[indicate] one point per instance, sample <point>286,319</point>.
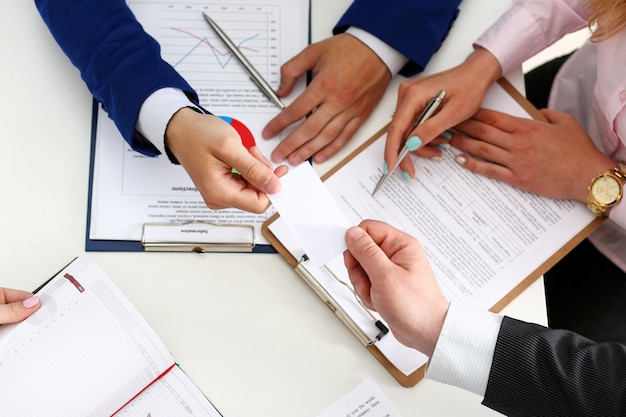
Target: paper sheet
<point>481,236</point>
<point>86,352</point>
<point>130,189</point>
<point>365,400</point>
<point>311,214</point>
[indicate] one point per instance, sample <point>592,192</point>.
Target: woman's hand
<point>16,305</point>
<point>465,87</point>
<point>556,159</point>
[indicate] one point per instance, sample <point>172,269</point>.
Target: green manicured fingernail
<point>413,143</point>
<point>407,176</point>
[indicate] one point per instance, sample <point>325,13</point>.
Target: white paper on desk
<point>311,214</point>
<point>130,189</point>
<point>482,237</point>
<point>87,352</point>
<point>407,360</point>
<point>366,399</point>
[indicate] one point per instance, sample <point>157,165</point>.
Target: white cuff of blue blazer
<point>156,112</point>
<point>464,351</point>
<point>394,59</point>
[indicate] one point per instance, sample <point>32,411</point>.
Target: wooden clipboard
<point>413,378</point>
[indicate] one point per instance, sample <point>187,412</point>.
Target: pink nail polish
<point>31,302</point>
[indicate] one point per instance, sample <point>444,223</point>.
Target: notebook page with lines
<point>87,351</point>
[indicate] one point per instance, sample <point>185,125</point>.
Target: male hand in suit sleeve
<point>523,370</point>
<point>122,67</point>
<point>391,274</point>
<point>349,77</point>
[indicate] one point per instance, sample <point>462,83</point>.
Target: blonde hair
<point>606,18</point>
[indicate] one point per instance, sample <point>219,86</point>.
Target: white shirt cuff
<point>464,351</point>
<point>394,59</point>
<point>156,112</point>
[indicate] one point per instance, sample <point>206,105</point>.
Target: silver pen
<point>413,142</point>
<point>254,74</point>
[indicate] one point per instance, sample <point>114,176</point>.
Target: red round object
<point>246,136</point>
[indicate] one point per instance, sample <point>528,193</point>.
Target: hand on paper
<point>16,305</point>
<point>556,159</point>
<point>208,148</point>
<point>348,82</point>
<point>465,86</point>
<point>391,274</point>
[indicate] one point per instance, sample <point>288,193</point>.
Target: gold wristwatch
<point>606,190</point>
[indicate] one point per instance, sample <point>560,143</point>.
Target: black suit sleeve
<point>537,371</point>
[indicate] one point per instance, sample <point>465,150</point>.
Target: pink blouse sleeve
<point>528,27</point>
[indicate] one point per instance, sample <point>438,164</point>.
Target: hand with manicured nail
<point>16,305</point>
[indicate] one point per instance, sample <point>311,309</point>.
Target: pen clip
<point>429,109</point>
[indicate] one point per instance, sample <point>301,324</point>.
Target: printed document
<point>482,237</point>
<point>364,400</point>
<point>129,189</point>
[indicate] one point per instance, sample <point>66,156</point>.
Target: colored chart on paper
<point>197,53</point>
<point>246,136</point>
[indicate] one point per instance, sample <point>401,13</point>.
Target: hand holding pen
<point>465,85</point>
<point>413,142</point>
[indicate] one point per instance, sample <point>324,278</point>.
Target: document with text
<point>129,189</point>
<point>364,400</point>
<point>485,240</point>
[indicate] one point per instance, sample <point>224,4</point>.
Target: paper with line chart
<point>129,189</point>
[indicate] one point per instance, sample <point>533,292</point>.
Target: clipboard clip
<point>336,308</point>
<point>198,236</point>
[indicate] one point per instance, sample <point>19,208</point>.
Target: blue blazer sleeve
<point>120,63</point>
<point>416,28</point>
<point>537,371</point>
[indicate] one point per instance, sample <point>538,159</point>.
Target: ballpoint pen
<point>413,142</point>
<point>254,74</point>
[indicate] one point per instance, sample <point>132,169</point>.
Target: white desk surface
<point>248,331</point>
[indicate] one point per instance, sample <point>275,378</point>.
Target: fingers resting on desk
<point>348,82</point>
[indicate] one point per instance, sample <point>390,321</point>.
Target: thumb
<point>367,253</point>
<point>18,310</point>
<point>553,116</point>
<point>256,169</point>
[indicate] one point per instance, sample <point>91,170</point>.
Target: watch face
<point>605,189</point>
